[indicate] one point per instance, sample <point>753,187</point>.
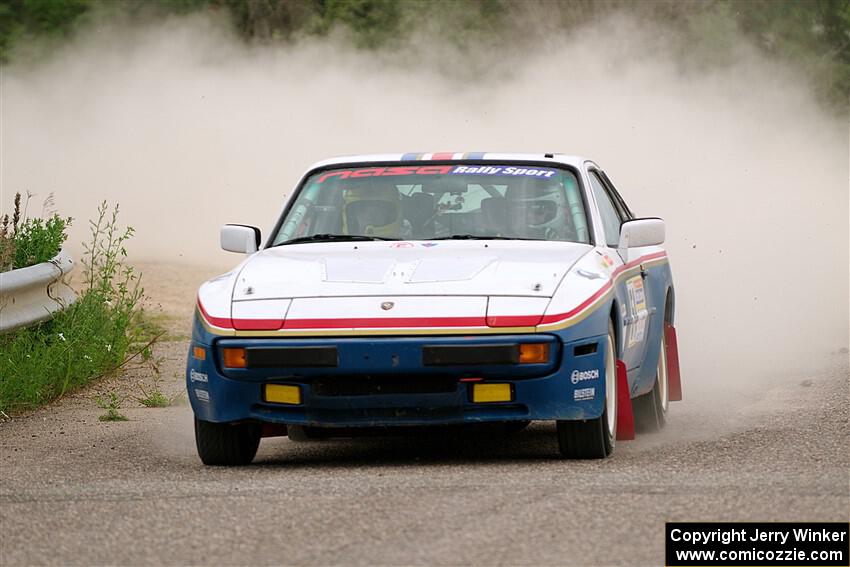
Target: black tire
<point>226,444</point>
<point>593,438</point>
<point>584,439</point>
<point>649,416</point>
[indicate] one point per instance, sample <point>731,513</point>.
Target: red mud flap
<point>625,416</point>
<point>674,379</point>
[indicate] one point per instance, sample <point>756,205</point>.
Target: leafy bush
<point>44,18</point>
<point>7,245</point>
<point>8,228</point>
<point>39,240</point>
<point>29,241</point>
<point>90,338</point>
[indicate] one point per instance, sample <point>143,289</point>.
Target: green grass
<point>154,399</point>
<point>92,337</point>
<point>156,323</point>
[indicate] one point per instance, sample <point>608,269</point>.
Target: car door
<point>630,286</point>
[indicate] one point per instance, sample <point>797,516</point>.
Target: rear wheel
<point>226,444</point>
<point>594,438</point>
<point>651,409</point>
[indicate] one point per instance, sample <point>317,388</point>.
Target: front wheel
<point>227,444</point>
<point>594,438</point>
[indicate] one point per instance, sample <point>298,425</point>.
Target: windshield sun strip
<point>572,170</point>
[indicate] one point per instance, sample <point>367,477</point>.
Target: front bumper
<point>382,381</point>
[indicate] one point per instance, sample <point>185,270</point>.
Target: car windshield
<point>427,202</point>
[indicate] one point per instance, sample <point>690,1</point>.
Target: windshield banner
<point>497,170</point>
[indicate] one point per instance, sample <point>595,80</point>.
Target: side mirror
<point>641,232</point>
<point>240,238</point>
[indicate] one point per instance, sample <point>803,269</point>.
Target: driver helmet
<point>535,208</point>
<point>371,209</point>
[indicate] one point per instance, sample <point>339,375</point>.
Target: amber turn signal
<point>233,357</point>
<point>199,353</point>
<point>533,353</point>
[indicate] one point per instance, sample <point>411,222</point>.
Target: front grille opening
<point>291,357</point>
<point>583,350</point>
<point>367,385</point>
<point>458,355</point>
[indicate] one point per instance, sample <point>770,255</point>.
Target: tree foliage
<point>814,34</point>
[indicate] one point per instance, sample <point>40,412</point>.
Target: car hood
<point>393,269</point>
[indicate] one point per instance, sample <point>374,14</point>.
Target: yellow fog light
<point>283,394</point>
<point>533,353</point>
<point>483,393</point>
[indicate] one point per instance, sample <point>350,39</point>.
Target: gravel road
<point>77,491</point>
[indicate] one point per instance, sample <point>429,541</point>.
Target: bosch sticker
<point>197,376</point>
<point>581,375</point>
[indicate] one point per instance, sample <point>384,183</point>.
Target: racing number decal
<point>638,313</point>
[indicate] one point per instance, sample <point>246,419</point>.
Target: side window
<point>625,212</point>
<point>611,219</point>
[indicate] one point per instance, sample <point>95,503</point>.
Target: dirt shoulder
<point>78,491</point>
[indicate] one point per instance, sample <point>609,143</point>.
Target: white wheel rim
<point>662,374</point>
<point>611,386</point>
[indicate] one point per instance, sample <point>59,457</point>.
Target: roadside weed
<point>8,227</point>
<point>111,404</point>
<point>152,397</point>
<point>90,338</point>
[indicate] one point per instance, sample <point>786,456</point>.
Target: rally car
<point>439,289</point>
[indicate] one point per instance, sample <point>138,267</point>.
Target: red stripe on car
<point>418,322</point>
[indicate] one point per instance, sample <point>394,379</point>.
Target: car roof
<point>572,160</point>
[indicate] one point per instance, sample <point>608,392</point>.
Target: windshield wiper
<point>333,238</point>
<point>482,237</point>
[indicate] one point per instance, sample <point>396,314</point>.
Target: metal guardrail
<point>33,294</point>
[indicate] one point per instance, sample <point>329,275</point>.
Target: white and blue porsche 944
<point>438,289</point>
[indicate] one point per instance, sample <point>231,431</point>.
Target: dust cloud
<point>188,128</point>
